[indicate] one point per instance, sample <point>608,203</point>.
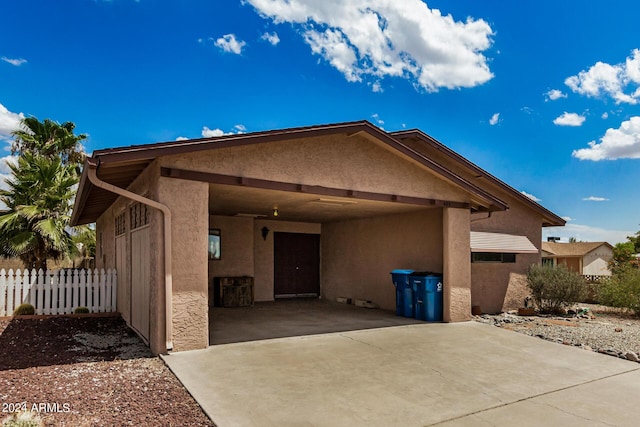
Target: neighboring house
<point>325,210</point>
<point>586,258</point>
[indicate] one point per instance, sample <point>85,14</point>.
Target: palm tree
<point>49,139</point>
<point>35,225</point>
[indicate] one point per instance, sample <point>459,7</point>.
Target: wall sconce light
<point>275,212</point>
<point>265,232</point>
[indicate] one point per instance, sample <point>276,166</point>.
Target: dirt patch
<point>86,372</point>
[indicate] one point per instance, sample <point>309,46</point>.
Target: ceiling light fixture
<point>275,212</point>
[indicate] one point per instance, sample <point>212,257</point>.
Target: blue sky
<point>544,95</point>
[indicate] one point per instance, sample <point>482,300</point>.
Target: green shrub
<point>622,290</point>
<point>81,310</point>
<point>553,288</point>
<point>24,310</point>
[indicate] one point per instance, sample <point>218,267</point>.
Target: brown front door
<point>296,264</point>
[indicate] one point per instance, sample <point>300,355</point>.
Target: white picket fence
<point>58,292</point>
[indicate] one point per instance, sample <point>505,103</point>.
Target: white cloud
<point>9,122</point>
<point>377,119</point>
<point>182,138</point>
<point>569,119</point>
<point>271,38</point>
<point>621,143</point>
<point>379,38</point>
<point>5,173</point>
<point>531,196</point>
<point>604,79</point>
<point>14,61</point>
<point>595,199</point>
<point>586,233</point>
<point>567,218</point>
<point>377,87</point>
<point>4,164</point>
<point>605,115</point>
<point>555,94</point>
<point>210,133</point>
<point>229,43</point>
<point>494,119</point>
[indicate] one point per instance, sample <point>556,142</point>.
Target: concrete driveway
<point>462,374</point>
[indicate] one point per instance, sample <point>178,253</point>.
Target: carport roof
<point>121,166</point>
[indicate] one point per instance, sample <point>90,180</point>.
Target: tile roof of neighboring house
<point>572,249</point>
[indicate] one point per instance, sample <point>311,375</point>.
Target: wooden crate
<point>233,291</point>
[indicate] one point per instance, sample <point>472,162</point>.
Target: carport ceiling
<point>246,201</point>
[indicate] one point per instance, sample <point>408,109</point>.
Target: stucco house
<point>325,210</point>
<point>586,258</point>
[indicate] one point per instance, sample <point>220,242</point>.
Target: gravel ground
<point>590,327</point>
<point>88,371</point>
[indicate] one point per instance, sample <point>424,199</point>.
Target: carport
<point>360,200</point>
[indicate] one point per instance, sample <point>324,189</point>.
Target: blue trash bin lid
<point>401,271</point>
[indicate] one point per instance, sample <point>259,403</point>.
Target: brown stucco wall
<point>456,265</point>
<point>188,201</point>
<point>358,255</point>
<point>236,246</point>
<point>497,287</point>
<point>335,161</point>
<point>146,185</point>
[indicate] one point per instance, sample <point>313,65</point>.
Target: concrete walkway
<point>463,374</point>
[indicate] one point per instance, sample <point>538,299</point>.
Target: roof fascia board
<point>84,188</point>
<point>151,151</point>
<point>475,168</point>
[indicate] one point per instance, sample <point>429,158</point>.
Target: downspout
<point>480,219</point>
<point>168,280</point>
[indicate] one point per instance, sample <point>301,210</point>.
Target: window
<point>503,257</point>
<point>214,243</point>
<point>547,261</point>
<point>138,215</point>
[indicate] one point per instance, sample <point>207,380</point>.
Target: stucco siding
<point>358,255</point>
<point>337,161</point>
<point>106,253</point>
<point>497,287</point>
<point>456,265</point>
<point>188,201</point>
<point>596,262</point>
<point>236,247</point>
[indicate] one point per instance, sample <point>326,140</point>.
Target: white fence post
<point>33,290</point>
<point>114,290</point>
<point>3,292</point>
<point>10,293</point>
<point>47,292</point>
<point>40,286</point>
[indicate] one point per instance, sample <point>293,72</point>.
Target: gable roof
<point>549,218</point>
<point>572,249</point>
<point>121,166</point>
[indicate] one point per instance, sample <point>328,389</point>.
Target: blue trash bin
<point>427,295</point>
<point>404,292</point>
